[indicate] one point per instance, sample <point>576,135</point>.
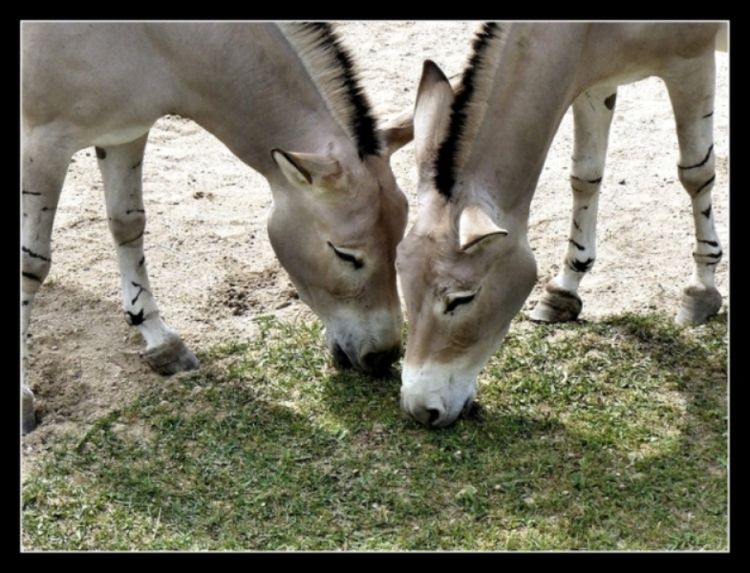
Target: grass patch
<point>593,436</point>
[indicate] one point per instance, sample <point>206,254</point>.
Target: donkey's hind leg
<point>592,113</point>
<point>691,89</point>
<point>121,168</point>
<point>45,162</point>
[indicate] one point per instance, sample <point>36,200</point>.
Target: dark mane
<point>362,126</point>
<point>446,161</point>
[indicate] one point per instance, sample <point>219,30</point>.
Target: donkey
<point>465,266</point>
<point>285,99</point>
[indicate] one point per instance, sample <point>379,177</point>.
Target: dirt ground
<point>212,268</point>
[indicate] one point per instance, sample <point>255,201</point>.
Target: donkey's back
<point>111,80</point>
<point>100,75</point>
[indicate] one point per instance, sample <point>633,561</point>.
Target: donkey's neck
<point>534,84</point>
<point>252,91</point>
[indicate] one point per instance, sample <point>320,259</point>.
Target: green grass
<point>592,436</point>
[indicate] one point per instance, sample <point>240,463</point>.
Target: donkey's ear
<point>432,112</point>
<point>475,228</point>
<point>400,130</point>
<point>307,170</point>
<point>397,133</point>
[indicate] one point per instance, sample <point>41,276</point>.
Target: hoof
<point>29,416</point>
<point>171,357</point>
<point>698,305</point>
<point>557,305</point>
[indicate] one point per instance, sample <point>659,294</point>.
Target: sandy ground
<point>212,268</point>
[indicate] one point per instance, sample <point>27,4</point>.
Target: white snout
<point>436,394</point>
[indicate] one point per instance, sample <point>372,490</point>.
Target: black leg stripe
<point>706,212</point>
<point>134,319</point>
<point>132,240</point>
<point>706,184</point>
<point>34,255</point>
<point>578,246</point>
<point>702,163</point>
<point>140,290</point>
<point>31,276</point>
<point>709,255</point>
<point>581,266</point>
<point>592,181</point>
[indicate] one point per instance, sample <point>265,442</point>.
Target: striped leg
<point>121,168</point>
<point>44,166</point>
<point>692,95</point>
<point>592,113</point>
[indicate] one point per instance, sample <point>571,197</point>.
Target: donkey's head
<point>465,270</point>
<point>334,226</point>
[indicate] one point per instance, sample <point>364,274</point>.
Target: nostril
<point>433,414</point>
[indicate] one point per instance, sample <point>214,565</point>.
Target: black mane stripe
<point>445,163</point>
<point>362,126</point>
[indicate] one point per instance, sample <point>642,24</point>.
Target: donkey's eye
<point>355,261</point>
<point>458,300</point>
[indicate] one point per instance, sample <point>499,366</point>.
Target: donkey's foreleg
<point>692,93</point>
<point>45,163</point>
<point>592,113</point>
<point>121,168</point>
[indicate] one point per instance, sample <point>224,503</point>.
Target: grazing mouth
<point>340,358</point>
<point>379,364</point>
<point>472,410</point>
